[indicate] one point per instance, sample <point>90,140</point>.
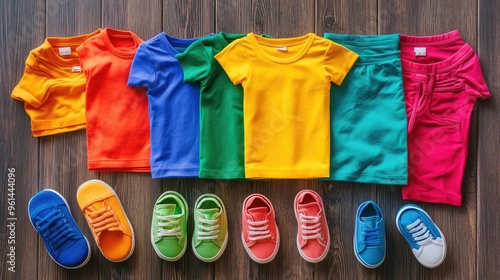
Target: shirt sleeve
<point>234,61</point>
<point>33,86</point>
<point>195,63</point>
<point>143,69</point>
<point>338,62</point>
<point>473,77</point>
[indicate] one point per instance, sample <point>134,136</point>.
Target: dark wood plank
<point>63,157</point>
<point>342,198</point>
<point>189,19</point>
<point>278,19</point>
<point>488,221</point>
<point>23,27</point>
<point>60,161</point>
<point>457,223</point>
<point>137,192</point>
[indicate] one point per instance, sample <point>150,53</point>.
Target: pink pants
<point>442,80</point>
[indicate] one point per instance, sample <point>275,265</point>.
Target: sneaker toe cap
<point>207,250</point>
<point>431,255</point>
<point>372,256</point>
<point>263,250</point>
<point>75,255</point>
<point>169,248</point>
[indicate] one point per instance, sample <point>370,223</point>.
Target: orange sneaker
<point>107,220</point>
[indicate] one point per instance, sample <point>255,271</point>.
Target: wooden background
<point>59,162</point>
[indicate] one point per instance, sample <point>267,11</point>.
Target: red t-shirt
<point>117,115</point>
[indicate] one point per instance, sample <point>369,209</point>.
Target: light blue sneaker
<point>50,216</point>
<point>424,237</point>
<point>369,235</point>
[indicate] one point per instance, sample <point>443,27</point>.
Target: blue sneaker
<point>50,216</point>
<point>369,235</point>
<point>424,237</point>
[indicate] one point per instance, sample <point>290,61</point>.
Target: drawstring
<point>423,95</point>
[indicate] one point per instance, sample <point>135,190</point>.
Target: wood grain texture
<point>60,161</point>
<point>488,194</point>
<point>457,223</point>
<point>22,29</point>
<point>342,198</point>
<point>63,157</point>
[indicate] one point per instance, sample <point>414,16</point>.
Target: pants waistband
<point>442,41</point>
<point>370,48</point>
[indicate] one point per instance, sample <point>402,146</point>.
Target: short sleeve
<point>234,61</point>
<point>195,63</point>
<point>33,86</point>
<point>143,69</point>
<point>473,77</point>
<point>338,62</point>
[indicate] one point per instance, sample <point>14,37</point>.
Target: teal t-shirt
<point>221,108</point>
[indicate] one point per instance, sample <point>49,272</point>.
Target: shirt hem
<point>157,173</point>
<point>119,165</point>
<point>369,179</point>
<point>431,197</point>
<point>296,173</point>
<point>222,174</point>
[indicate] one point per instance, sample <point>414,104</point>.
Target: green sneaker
<point>210,228</point>
<point>169,226</point>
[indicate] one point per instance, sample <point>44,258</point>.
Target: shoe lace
<point>420,232</point>
<point>208,229</point>
<point>102,219</point>
<point>310,226</point>
<point>258,230</point>
<point>372,236</point>
<point>55,228</point>
<point>168,225</point>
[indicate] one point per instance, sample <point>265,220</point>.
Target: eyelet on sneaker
<point>313,237</point>
<point>260,234</point>
<point>369,235</point>
<point>210,233</point>
<point>107,220</point>
<point>426,240</point>
<point>169,226</point>
<point>46,210</point>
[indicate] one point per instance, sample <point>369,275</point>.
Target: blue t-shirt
<point>174,107</point>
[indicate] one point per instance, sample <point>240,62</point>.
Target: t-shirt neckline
<point>167,41</point>
<point>304,40</point>
<point>52,43</point>
<point>106,33</point>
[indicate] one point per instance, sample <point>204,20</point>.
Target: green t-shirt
<point>221,108</point>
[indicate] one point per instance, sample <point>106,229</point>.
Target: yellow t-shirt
<point>286,84</point>
<point>53,86</point>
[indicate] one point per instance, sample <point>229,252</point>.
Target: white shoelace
<point>258,230</point>
<point>168,225</point>
<point>209,229</point>
<point>420,232</point>
<point>311,227</point>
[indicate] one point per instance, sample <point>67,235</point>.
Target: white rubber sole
<point>128,221</point>
<point>69,210</point>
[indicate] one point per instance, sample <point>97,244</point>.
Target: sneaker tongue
<point>310,209</point>
<point>370,221</point>
<point>166,209</point>
<point>258,213</point>
<point>209,214</point>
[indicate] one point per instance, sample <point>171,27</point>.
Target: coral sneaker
<point>427,242</point>
<point>369,235</point>
<point>210,228</point>
<point>107,220</point>
<point>169,226</point>
<point>313,237</point>
<point>50,216</point>
<point>260,234</point>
